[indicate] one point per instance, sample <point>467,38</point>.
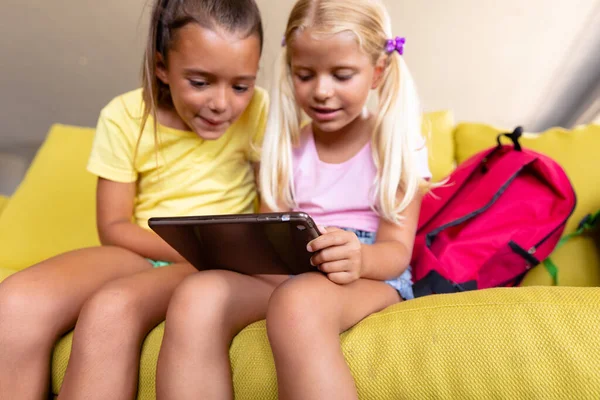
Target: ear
<point>161,69</point>
<point>380,67</point>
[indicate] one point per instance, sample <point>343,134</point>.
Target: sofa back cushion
<point>3,202</point>
<point>54,208</point>
<point>438,128</point>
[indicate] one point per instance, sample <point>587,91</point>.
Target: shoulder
<point>306,136</point>
<point>260,97</point>
<point>128,105</point>
<point>258,106</point>
<point>253,120</point>
<point>124,111</point>
<point>254,117</point>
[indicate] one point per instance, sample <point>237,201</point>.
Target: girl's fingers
<point>331,254</point>
<point>341,278</point>
<point>334,266</point>
<point>333,237</point>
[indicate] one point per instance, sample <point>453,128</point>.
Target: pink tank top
<point>339,195</point>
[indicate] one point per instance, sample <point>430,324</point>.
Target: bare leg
<point>111,328</point>
<point>41,303</point>
<point>206,312</point>
<point>304,320</point>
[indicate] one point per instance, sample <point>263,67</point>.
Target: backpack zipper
<point>431,235</point>
<point>483,163</point>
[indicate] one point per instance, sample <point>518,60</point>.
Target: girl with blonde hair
<point>360,175</point>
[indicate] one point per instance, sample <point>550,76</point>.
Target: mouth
<point>213,122</point>
<point>324,113</point>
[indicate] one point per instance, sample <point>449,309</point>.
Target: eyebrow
<point>336,67</point>
<point>195,71</point>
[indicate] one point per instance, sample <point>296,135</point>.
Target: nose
<point>323,89</point>
<point>218,102</point>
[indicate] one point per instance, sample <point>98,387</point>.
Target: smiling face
<point>211,77</point>
<point>332,78</point>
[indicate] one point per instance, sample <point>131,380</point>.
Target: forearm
<point>384,260</point>
<point>141,241</point>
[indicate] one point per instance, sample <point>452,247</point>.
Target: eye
<point>304,77</point>
<point>343,78</point>
<point>198,84</point>
<point>240,88</point>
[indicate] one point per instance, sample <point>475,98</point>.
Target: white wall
<point>498,62</point>
<point>62,60</point>
<point>503,62</point>
<point>487,60</point>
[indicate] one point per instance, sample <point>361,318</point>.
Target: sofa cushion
<point>3,203</point>
<point>498,343</point>
<point>53,210</point>
<point>577,152</point>
<point>438,128</point>
<point>484,344</point>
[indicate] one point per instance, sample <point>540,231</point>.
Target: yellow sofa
<point>530,342</point>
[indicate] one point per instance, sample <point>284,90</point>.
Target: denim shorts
<point>403,283</point>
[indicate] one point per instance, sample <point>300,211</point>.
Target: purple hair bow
<point>395,45</point>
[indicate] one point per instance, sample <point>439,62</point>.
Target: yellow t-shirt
<point>183,174</point>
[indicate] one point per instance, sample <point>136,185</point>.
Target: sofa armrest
<point>3,203</point>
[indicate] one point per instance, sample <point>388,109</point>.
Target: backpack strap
<point>504,171</point>
<point>434,283</point>
<point>431,206</point>
<point>514,136</point>
<point>587,224</point>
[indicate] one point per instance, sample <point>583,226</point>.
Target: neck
<point>359,130</point>
<point>167,116</point>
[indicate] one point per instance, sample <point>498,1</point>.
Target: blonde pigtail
<point>397,137</point>
<point>276,178</point>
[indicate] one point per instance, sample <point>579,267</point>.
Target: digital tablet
<point>252,244</point>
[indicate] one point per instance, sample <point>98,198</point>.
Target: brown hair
<point>239,16</point>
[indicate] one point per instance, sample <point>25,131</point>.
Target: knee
<point>113,309</point>
<point>200,300</point>
<point>26,313</point>
<point>296,306</point>
<point>13,302</point>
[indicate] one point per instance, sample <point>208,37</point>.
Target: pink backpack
<point>500,214</point>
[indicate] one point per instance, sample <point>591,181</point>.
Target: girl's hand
<point>338,253</point>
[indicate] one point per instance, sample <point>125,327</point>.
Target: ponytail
<point>282,133</point>
<point>397,137</point>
